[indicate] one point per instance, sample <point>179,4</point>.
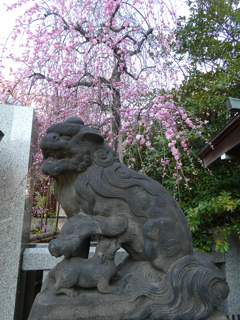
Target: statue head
<point>69,146</point>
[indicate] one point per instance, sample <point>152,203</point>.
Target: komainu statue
<point>162,277</point>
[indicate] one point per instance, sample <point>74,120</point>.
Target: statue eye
<point>70,129</point>
<point>66,138</point>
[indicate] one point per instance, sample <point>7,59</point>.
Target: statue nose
<point>49,139</point>
<point>51,136</point>
<point>52,245</point>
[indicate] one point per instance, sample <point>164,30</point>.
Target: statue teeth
<point>51,159</point>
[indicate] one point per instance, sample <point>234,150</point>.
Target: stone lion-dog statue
<point>101,196</point>
<point>118,201</point>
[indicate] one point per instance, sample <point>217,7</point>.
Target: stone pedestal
<point>90,305</point>
<point>16,128</point>
<point>229,265</point>
<point>232,267</point>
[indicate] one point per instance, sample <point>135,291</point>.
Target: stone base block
<point>89,306</point>
<point>217,315</point>
<point>144,293</point>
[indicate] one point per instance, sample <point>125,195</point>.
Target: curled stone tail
<point>188,291</point>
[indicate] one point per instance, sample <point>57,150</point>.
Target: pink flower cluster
<point>104,61</point>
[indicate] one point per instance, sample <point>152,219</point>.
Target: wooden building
<point>225,144</point>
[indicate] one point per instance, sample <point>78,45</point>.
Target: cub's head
<point>69,146</point>
<point>67,243</point>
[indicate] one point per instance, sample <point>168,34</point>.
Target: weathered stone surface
<point>38,257</point>
<point>232,267</point>
<point>16,126</point>
<point>117,201</point>
<point>217,315</point>
<point>162,278</point>
<point>90,305</point>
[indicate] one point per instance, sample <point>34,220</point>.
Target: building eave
<point>226,141</point>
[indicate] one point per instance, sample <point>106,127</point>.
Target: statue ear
<point>103,258</point>
<point>92,135</point>
<point>75,120</point>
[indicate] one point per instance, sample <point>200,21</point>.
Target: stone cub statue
<point>95,272</point>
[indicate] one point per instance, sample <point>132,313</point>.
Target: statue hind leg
<point>163,243</point>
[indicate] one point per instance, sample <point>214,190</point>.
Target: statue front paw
<point>72,293</point>
<point>116,290</point>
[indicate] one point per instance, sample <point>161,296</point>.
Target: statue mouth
<point>55,156</point>
<point>54,249</point>
<point>56,162</point>
<point>55,254</point>
<point>51,159</point>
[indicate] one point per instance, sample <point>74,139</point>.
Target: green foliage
<point>211,33</point>
<point>213,220</point>
<point>213,206</point>
<point>40,200</point>
<point>209,40</point>
<point>209,197</point>
<point>36,231</point>
<point>41,205</point>
<point>44,209</point>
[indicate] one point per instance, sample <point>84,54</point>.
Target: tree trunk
<point>116,123</point>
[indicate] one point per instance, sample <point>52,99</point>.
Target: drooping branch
<point>141,42</point>
<point>114,14</point>
<point>82,83</point>
<point>143,69</point>
<point>39,76</point>
<point>80,29</point>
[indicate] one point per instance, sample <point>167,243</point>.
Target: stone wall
<point>231,269</point>
<point>16,128</point>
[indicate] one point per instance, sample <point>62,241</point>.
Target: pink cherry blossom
<point>105,61</point>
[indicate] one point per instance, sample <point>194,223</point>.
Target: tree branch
<point>141,42</point>
<point>82,31</point>
<point>114,14</point>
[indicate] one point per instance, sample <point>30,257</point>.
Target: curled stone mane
<point>117,181</point>
<point>105,156</point>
